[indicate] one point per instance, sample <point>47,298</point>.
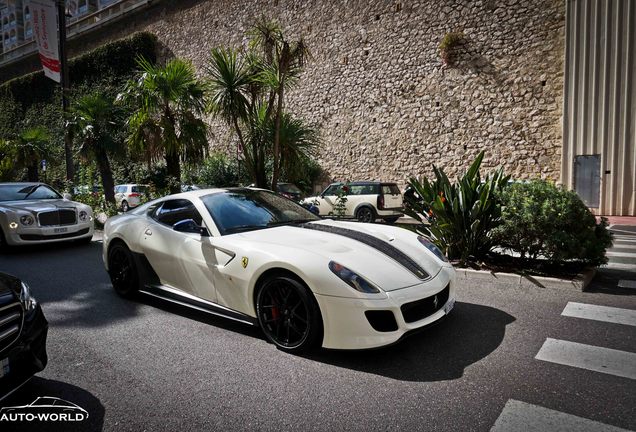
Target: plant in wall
<point>447,46</point>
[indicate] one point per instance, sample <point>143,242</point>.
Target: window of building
<point>12,19</point>
<point>27,13</point>
<point>28,30</point>
<point>82,6</point>
<point>13,36</point>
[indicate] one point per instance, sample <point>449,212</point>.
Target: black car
<point>23,331</point>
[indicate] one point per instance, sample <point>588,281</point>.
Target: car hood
<point>39,205</point>
<point>368,261</point>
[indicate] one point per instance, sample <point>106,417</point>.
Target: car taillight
<point>135,195</point>
<point>380,202</point>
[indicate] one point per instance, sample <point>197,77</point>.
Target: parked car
<point>23,330</point>
<point>366,201</point>
<point>129,196</point>
<point>290,190</point>
<point>258,258</point>
<point>94,190</point>
<point>33,213</point>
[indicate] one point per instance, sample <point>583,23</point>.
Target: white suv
<point>366,201</point>
<point>128,196</point>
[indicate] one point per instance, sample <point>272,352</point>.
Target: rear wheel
<point>288,314</point>
<point>122,270</point>
<point>365,214</point>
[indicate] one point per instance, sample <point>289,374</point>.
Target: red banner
<point>44,13</point>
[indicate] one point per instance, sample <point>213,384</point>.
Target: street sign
<point>45,29</point>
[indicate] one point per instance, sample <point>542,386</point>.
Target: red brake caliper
<point>275,313</point>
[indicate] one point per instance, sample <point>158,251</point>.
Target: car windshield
<point>20,192</point>
<point>288,188</point>
<point>242,210</point>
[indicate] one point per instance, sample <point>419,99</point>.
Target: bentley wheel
<point>122,270</point>
<point>124,206</point>
<point>288,314</point>
<point>365,214</point>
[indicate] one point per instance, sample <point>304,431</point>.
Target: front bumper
<point>27,356</point>
<point>346,325</point>
<point>36,235</point>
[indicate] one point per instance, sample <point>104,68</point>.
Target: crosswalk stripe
<point>600,313</point>
<point>598,359</point>
<point>524,417</point>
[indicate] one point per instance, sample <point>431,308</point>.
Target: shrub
<point>462,214</point>
<point>542,220</point>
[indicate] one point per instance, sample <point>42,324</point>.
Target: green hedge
<point>107,64</point>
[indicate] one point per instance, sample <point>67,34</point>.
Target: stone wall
<point>387,106</point>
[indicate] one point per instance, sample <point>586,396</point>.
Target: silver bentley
<point>33,213</point>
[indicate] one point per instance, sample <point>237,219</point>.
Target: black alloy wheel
<point>365,214</point>
<point>122,270</point>
<point>288,314</point>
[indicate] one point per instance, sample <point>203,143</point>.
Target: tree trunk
<point>32,173</point>
<point>174,172</point>
<point>251,167</point>
<point>277,155</point>
<point>103,165</point>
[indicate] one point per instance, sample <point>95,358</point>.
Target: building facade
<point>389,105</point>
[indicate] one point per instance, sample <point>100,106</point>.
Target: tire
<point>124,206</point>
<point>365,214</point>
<point>289,315</point>
<point>122,270</point>
<point>3,242</point>
<point>391,220</point>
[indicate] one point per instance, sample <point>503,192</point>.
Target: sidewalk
<point>620,220</point>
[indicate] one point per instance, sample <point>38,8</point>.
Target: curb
<point>468,277</point>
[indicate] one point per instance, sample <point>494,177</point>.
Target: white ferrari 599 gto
<point>259,258</point>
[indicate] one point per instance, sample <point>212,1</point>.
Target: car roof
<point>364,183</point>
<point>22,183</point>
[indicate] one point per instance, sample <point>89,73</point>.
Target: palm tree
<point>298,141</point>
<point>166,105</point>
<point>248,91</point>
<point>93,121</point>
<point>283,63</point>
<point>28,149</point>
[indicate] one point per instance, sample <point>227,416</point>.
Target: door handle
<point>148,232</point>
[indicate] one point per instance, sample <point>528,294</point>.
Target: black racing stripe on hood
<point>374,242</point>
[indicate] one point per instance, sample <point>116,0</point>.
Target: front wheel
<point>122,270</point>
<point>289,315</point>
<point>365,214</point>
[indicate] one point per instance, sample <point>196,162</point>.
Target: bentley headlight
<point>83,216</point>
<point>27,220</point>
<point>28,301</point>
<point>352,279</point>
<point>433,248</point>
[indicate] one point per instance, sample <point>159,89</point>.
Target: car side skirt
<point>183,299</point>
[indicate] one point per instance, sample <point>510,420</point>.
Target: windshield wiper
<point>288,222</point>
<point>33,189</point>
<point>243,228</point>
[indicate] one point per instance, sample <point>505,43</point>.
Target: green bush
<point>542,220</point>
<point>463,214</point>
<point>218,170</point>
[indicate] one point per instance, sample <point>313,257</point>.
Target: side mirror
<point>67,196</point>
<point>190,226</point>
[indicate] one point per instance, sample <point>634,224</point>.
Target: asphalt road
<point>148,365</point>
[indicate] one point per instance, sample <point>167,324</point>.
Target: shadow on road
<point>607,279</point>
<point>37,387</point>
<point>70,282</point>
<point>442,352</point>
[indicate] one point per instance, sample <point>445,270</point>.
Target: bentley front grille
<point>58,217</point>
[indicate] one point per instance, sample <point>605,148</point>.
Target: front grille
<point>11,316</point>
<point>57,217</point>
<point>381,320</point>
<point>420,309</point>
<point>35,237</point>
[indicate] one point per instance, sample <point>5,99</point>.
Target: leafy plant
<point>449,42</point>
<point>463,214</point>
<point>340,205</point>
<point>542,220</point>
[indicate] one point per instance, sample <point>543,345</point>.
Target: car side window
<point>356,190</point>
<point>331,190</point>
<point>173,211</point>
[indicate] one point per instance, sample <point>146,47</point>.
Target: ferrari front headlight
<point>352,279</point>
<point>28,301</point>
<point>433,248</point>
<point>27,220</point>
